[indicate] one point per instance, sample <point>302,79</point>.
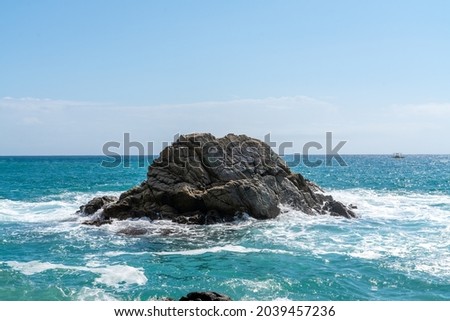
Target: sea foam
<point>112,275</point>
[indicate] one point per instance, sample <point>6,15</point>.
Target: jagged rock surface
<point>203,180</point>
<point>95,204</point>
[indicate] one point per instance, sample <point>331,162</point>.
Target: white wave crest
<point>94,294</point>
<point>112,275</point>
<point>60,208</point>
<point>408,232</point>
<point>216,249</point>
<point>224,248</point>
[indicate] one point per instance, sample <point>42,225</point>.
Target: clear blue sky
<point>76,74</point>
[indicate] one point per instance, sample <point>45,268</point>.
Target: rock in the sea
<point>133,231</point>
<point>201,296</point>
<point>98,221</point>
<point>205,296</point>
<point>95,204</point>
<point>201,179</point>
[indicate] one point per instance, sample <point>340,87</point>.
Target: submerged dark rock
<point>201,179</point>
<point>133,231</point>
<point>201,296</point>
<point>205,296</point>
<point>97,222</point>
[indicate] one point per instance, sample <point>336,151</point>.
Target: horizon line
<point>153,155</point>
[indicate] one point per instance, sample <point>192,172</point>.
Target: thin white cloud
<point>409,128</point>
<point>87,126</point>
<point>431,109</point>
<point>277,103</point>
<point>274,102</point>
<point>42,104</point>
<point>31,121</point>
<point>46,126</point>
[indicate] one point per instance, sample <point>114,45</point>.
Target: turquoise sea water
<point>398,249</point>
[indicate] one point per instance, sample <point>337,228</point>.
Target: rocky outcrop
<point>201,179</point>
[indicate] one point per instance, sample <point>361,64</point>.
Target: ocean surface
<point>398,248</point>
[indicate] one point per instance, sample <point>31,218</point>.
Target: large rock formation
<point>201,179</point>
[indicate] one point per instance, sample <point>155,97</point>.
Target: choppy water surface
<point>399,248</point>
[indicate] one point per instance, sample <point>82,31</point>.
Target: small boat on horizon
<point>398,155</point>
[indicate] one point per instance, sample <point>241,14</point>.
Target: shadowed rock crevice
<point>201,179</point>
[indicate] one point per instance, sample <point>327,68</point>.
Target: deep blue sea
<point>398,248</point>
